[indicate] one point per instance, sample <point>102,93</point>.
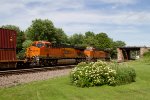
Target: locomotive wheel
<point>49,63</point>
<point>78,61</point>
<point>54,62</point>
<point>45,63</point>
<point>83,60</point>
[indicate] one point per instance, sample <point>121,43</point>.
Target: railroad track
<point>33,70</point>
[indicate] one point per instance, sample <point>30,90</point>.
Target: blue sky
<point>126,20</point>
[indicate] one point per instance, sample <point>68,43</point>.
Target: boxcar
<point>7,39</point>
<point>7,48</point>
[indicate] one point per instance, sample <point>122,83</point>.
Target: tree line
<point>44,29</point>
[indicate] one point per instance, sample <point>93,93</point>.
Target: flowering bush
<point>92,74</point>
<point>100,73</point>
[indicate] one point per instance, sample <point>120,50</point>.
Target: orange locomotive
<point>94,54</point>
<point>43,53</point>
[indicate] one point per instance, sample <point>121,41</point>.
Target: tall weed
<point>125,74</point>
<point>146,57</point>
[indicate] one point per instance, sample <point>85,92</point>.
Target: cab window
<point>47,45</point>
<point>40,45</point>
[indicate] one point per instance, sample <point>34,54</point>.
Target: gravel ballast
<point>7,81</point>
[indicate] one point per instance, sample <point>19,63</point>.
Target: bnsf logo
<point>67,52</point>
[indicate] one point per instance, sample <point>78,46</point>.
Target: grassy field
<point>60,89</point>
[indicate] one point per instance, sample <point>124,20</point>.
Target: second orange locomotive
<point>43,53</point>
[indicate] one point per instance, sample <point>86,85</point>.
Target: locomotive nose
<point>28,52</point>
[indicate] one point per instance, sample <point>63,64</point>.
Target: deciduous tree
<point>45,30</point>
<point>20,35</point>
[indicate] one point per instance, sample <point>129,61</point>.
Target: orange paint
<point>46,50</point>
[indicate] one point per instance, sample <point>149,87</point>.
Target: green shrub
<point>146,54</point>
<point>101,73</point>
<point>92,74</point>
<point>124,73</point>
<point>146,57</point>
<point>21,55</point>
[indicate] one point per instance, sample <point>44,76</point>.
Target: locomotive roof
<point>42,42</point>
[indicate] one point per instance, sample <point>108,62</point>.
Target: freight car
<point>8,59</point>
<point>7,48</point>
<point>42,53</point>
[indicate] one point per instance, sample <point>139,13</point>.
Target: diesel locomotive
<point>43,53</point>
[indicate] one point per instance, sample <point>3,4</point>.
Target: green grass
<point>61,89</point>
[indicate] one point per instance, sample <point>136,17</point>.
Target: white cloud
<point>121,18</point>
<point>8,8</point>
<point>54,11</point>
<point>74,17</point>
<point>64,18</point>
<point>122,2</point>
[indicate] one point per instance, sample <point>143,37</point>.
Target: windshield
<point>47,45</point>
<point>40,45</point>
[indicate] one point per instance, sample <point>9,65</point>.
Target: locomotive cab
<point>41,44</point>
<point>34,49</point>
<point>33,53</point>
